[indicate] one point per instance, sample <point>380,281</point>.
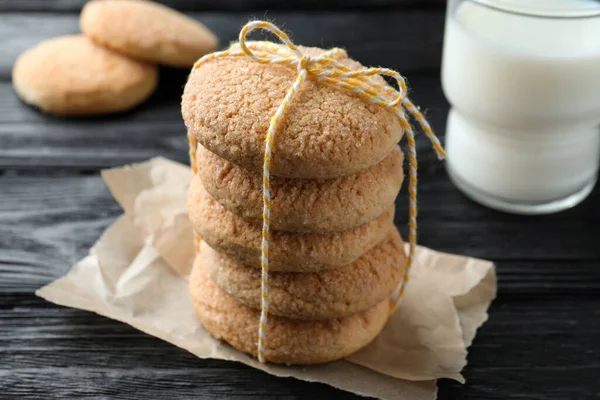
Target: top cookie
<point>326,132</point>
<point>147,31</point>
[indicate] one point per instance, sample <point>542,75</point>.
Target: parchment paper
<point>136,273</point>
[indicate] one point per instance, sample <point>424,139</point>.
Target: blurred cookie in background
<point>72,76</point>
<point>147,31</point>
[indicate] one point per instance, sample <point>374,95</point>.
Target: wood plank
<point>46,227</point>
<point>48,222</point>
<point>230,5</point>
<point>407,40</point>
<point>449,221</point>
<point>39,341</point>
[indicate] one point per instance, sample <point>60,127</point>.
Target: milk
<point>525,92</point>
<point>523,170</point>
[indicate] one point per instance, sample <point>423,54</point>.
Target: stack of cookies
<point>112,67</point>
<point>335,256</point>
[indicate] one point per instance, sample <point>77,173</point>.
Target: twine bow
<point>324,68</point>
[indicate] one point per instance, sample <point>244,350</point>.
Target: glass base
<point>512,207</point>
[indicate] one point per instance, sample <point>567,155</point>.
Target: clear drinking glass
<point>523,80</point>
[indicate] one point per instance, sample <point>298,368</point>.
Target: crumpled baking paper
<point>137,273</point>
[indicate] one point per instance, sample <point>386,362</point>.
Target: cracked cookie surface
<point>326,132</point>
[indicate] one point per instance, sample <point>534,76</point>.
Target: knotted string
<point>324,68</point>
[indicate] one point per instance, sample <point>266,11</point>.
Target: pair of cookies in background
<point>113,66</point>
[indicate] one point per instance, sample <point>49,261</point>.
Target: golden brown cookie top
<point>148,31</point>
<point>72,75</point>
<point>325,132</point>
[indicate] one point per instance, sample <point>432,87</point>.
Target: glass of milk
<point>523,80</point>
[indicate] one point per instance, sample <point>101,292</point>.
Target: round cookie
<point>326,132</point>
<point>70,75</point>
<point>290,252</point>
<point>304,205</point>
<point>314,295</point>
<point>147,31</point>
<point>288,341</point>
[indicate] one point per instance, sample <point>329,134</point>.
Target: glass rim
<point>512,7</point>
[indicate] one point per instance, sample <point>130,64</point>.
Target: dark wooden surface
<point>541,342</point>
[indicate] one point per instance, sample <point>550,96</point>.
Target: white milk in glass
<point>523,79</point>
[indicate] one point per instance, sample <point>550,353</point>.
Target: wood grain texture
<point>65,353</point>
<point>233,5</point>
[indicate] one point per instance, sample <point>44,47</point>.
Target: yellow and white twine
<point>324,68</point>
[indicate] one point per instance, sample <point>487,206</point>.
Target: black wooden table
<point>541,342</point>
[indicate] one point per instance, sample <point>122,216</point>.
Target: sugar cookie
<point>304,205</point>
<point>291,252</point>
<point>314,295</point>
<point>288,341</point>
<point>147,31</point>
<point>326,132</point>
<point>71,75</point>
